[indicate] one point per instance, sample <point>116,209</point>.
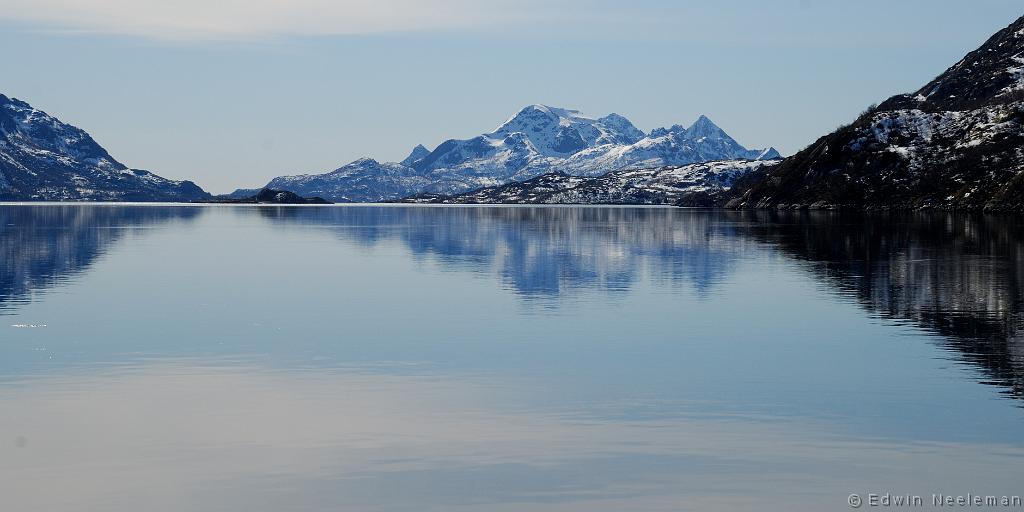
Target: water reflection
<point>546,251</point>
<point>45,246</point>
<point>378,358</point>
<point>958,276</point>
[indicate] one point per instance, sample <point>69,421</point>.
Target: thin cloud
<point>257,19</point>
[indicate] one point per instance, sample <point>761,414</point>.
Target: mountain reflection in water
<point>959,277</point>
<point>547,251</point>
<point>436,358</point>
<point>44,246</point>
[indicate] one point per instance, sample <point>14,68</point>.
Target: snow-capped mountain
<point>560,132</point>
<point>957,143</point>
<point>701,142</point>
<point>365,180</point>
<point>43,159</point>
<point>417,154</point>
<point>692,184</point>
<point>536,140</point>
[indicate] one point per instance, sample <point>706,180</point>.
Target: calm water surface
<point>166,358</point>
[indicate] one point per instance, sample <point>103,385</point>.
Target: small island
<point>267,196</point>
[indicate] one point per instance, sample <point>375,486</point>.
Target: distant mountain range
<point>688,185</point>
<point>43,159</point>
<point>535,141</point>
<point>957,143</point>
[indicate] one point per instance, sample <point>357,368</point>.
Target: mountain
<point>418,153</point>
<point>561,132</point>
<point>535,141</point>
<point>701,142</point>
<point>43,159</point>
<point>365,180</point>
<point>690,185</point>
<point>954,144</point>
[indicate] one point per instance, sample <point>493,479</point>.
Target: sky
<point>233,93</point>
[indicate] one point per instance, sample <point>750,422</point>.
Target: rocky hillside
<point>957,143</point>
<point>43,159</point>
<point>688,185</point>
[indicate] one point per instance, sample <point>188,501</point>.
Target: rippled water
<point>166,358</point>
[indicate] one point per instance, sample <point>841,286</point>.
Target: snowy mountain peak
<point>538,139</point>
<point>626,130</point>
<point>704,128</point>
<point>364,161</point>
<point>533,117</point>
<point>674,129</point>
<point>614,118</point>
<point>560,132</point>
<point>417,154</point>
<point>769,154</point>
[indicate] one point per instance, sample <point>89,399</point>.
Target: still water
<point>222,358</point>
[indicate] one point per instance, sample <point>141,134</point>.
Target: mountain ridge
<point>536,140</point>
<point>954,144</point>
<point>694,184</point>
<point>45,159</point>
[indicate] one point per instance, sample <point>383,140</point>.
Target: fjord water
<point>169,358</point>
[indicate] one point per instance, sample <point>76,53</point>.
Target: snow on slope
<point>661,186</point>
<point>364,180</point>
<point>561,132</point>
<point>417,154</point>
<point>536,140</point>
<point>702,142</point>
<point>42,158</point>
<point>957,143</point>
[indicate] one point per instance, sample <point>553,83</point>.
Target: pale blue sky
<point>235,94</point>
